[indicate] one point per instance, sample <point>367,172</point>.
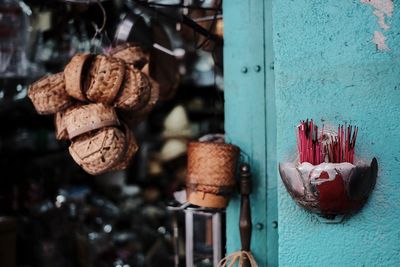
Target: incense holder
<point>329,189</point>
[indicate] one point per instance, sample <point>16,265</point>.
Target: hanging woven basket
<point>131,54</point>
<point>105,79</point>
<point>75,72</point>
<point>91,98</point>
<point>131,149</point>
<point>48,94</point>
<point>136,116</point>
<point>135,91</point>
<point>60,123</point>
<point>99,151</point>
<point>86,118</point>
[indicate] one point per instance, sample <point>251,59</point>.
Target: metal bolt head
<point>275,224</point>
<point>244,70</point>
<point>259,226</point>
<point>272,65</point>
<point>244,167</point>
<point>257,68</point>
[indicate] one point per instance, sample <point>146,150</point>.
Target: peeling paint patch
<point>382,9</point>
<point>381,20</point>
<point>379,39</point>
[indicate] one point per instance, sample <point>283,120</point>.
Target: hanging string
<point>99,31</point>
<point>238,257</point>
<point>104,15</point>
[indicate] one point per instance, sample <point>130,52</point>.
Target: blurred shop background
<point>52,213</point>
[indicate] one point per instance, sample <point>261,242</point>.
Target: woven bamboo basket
<point>99,151</point>
<point>59,122</point>
<point>131,54</point>
<point>105,79</point>
<point>211,173</point>
<point>137,116</point>
<point>48,94</point>
<point>86,118</point>
<point>75,73</point>
<point>132,148</point>
<point>135,91</point>
<point>61,130</point>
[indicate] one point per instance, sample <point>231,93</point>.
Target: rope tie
<point>238,257</point>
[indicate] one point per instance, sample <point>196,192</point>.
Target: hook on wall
<point>103,11</point>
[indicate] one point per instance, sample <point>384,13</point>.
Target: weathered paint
<point>250,119</point>
<point>327,69</point>
<point>380,41</point>
<point>382,9</point>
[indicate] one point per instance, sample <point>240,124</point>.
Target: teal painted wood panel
<point>248,81</point>
<point>271,138</point>
<point>327,68</point>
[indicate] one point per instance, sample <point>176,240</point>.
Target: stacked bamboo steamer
<point>94,100</point>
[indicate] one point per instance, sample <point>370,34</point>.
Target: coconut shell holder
<point>331,190</point>
<point>96,101</point>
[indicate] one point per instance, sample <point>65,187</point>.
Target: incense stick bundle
<point>340,147</point>
<point>308,143</point>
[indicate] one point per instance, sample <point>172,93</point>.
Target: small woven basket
<point>99,151</point>
<point>132,148</point>
<point>211,173</point>
<point>105,79</point>
<point>48,94</point>
<point>86,118</point>
<point>61,131</point>
<point>74,73</point>
<point>136,116</point>
<point>59,122</point>
<point>135,91</point>
<point>131,54</point>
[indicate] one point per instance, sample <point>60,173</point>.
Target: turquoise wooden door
<point>250,118</point>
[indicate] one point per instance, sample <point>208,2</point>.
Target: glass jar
<point>13,39</point>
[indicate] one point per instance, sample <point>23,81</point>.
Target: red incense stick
<point>340,147</point>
